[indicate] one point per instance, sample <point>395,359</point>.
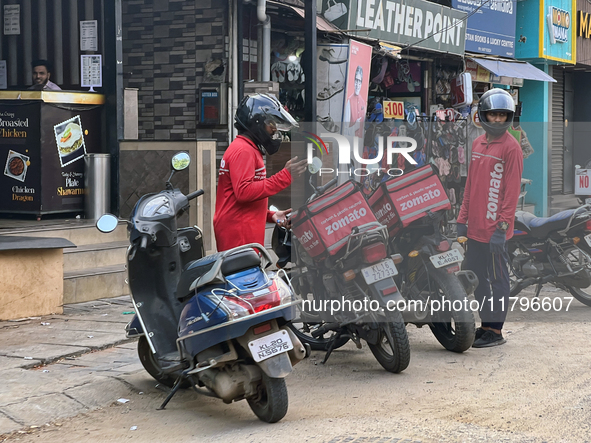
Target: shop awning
<point>515,69</point>
<point>321,23</point>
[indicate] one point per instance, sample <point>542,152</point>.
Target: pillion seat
<point>541,227</point>
<point>236,262</point>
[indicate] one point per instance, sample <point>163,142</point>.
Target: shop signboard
<point>490,27</point>
<point>417,23</point>
<point>42,148</point>
<point>20,182</point>
<point>583,182</point>
<point>548,29</point>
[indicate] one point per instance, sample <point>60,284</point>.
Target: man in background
<point>41,75</point>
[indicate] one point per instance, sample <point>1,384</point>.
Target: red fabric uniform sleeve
<point>246,188</point>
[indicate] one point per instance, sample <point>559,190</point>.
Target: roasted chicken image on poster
<point>70,141</point>
<point>16,166</point>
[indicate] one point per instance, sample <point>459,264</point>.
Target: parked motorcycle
<point>339,254</point>
<point>431,282</point>
<point>555,250</point>
<point>216,323</point>
<point>413,207</point>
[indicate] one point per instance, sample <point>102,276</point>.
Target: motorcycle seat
<point>540,227</point>
<point>232,264</point>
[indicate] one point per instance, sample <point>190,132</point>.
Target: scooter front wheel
<point>151,365</point>
<point>270,405</point>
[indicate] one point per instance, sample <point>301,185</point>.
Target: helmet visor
<point>282,122</point>
<point>499,102</point>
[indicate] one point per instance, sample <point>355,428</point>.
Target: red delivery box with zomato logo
<point>400,201</point>
<point>323,226</point>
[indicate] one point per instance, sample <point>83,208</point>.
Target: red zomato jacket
<point>492,187</point>
<point>241,201</point>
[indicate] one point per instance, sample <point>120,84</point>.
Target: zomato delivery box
<point>401,200</point>
<point>323,226</point>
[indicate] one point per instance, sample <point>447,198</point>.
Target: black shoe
<point>478,333</point>
<point>488,339</point>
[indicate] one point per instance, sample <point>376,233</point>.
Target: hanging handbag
<point>334,10</point>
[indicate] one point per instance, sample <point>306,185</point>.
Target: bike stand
<point>331,346</point>
<point>175,388</point>
<point>538,289</point>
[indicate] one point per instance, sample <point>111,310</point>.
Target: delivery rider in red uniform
<point>488,210</point>
<point>243,187</point>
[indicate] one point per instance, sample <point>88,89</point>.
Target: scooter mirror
<point>315,166</point>
<point>107,223</point>
<point>181,161</point>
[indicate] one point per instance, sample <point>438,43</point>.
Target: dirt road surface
<point>535,388</point>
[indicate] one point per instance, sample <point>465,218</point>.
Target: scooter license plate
<point>270,345</point>
<point>379,271</point>
<point>588,239</point>
<point>447,258</point>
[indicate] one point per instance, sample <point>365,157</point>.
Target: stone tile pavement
<point>50,366</point>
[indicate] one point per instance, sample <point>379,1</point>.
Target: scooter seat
<point>232,264</point>
<point>540,227</point>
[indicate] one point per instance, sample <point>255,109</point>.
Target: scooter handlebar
<point>195,194</point>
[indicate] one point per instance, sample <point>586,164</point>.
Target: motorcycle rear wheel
<point>582,295</point>
<point>271,403</point>
<point>394,357</point>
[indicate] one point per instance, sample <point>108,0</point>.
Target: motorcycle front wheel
<point>393,355</point>
<point>270,404</point>
<point>453,328</point>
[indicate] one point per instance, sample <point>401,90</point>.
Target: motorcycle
<point>413,208</point>
<point>215,323</point>
<point>354,271</point>
<point>555,250</point>
<point>432,283</point>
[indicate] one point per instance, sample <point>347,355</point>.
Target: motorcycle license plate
<point>447,258</point>
<point>588,239</point>
<point>379,271</point>
<point>270,345</point>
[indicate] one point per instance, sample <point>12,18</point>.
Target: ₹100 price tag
<point>393,109</point>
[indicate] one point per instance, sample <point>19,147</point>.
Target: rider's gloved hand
<point>462,229</point>
<point>497,242</point>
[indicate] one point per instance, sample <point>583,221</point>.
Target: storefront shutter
<point>557,133</point>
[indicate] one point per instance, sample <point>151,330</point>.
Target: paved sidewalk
<point>50,369</point>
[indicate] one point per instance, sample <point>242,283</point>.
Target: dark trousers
<point>493,272</point>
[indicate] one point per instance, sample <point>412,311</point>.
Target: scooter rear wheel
<point>270,405</point>
<point>151,365</point>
